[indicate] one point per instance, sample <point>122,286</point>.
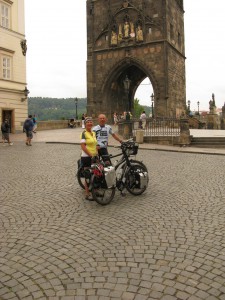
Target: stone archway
<point>113,90</point>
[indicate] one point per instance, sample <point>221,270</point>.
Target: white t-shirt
<point>102,134</point>
<point>143,117</point>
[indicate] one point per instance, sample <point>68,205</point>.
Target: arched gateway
<point>128,41</point>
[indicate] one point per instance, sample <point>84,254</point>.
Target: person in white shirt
<point>143,118</point>
<point>102,131</point>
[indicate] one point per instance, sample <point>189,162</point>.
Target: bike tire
<point>80,178</point>
<point>101,194</point>
<point>132,184</point>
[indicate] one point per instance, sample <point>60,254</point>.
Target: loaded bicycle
<point>125,173</point>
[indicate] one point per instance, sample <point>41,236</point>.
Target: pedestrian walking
<point>5,128</point>
<point>28,129</point>
<point>115,118</point>
<point>89,150</point>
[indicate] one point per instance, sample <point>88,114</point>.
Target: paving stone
<point>163,244</point>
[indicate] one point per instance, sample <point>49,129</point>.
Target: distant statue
<point>120,35</point>
<point>132,33</point>
<point>223,108</point>
<point>126,29</point>
<point>113,38</point>
<point>223,111</point>
<point>213,99</point>
<point>139,34</point>
<point>125,3</point>
<point>212,105</point>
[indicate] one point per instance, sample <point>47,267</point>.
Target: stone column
<point>185,137</point>
<point>125,129</point>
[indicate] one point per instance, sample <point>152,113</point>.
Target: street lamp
<point>152,99</point>
<point>198,106</point>
<point>26,92</point>
<point>126,84</point>
<point>189,105</point>
<point>76,101</point>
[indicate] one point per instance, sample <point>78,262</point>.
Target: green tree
<point>138,109</point>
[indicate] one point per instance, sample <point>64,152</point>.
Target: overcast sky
<point>56,56</point>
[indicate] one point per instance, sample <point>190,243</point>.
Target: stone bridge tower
<point>127,41</point>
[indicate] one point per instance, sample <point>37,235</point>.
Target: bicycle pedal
<point>123,194</point>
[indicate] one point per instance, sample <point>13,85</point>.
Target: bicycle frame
<point>124,164</point>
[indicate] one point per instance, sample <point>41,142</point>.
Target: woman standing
<point>115,118</point>
<point>83,118</point>
<point>89,150</point>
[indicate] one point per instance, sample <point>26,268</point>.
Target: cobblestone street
<point>168,243</point>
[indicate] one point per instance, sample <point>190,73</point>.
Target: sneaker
<point>10,144</point>
<point>89,198</point>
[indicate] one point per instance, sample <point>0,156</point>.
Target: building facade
<point>13,86</point>
<point>128,41</point>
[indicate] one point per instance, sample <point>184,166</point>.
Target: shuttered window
<point>5,15</point>
<point>6,68</point>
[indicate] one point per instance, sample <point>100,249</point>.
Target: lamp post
<point>198,106</point>
<point>126,84</point>
<point>189,105</point>
<point>76,101</point>
<point>26,93</point>
<point>152,99</point>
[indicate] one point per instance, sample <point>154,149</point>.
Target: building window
<point>6,67</point>
<point>179,39</point>
<point>5,15</point>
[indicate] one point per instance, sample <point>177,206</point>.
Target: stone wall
<point>55,124</point>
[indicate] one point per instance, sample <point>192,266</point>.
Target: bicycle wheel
<point>81,178</point>
<point>100,193</point>
<point>137,179</point>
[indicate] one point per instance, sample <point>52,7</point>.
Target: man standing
<point>28,128</point>
<point>5,128</point>
<point>103,131</point>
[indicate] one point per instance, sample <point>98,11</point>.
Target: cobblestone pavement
<point>165,244</point>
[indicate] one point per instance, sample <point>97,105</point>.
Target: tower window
<point>179,39</point>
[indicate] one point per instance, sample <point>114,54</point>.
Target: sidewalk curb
<point>153,149</point>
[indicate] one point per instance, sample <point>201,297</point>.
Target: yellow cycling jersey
<point>89,139</point>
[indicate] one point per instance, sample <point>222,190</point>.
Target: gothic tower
<point>129,40</point>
